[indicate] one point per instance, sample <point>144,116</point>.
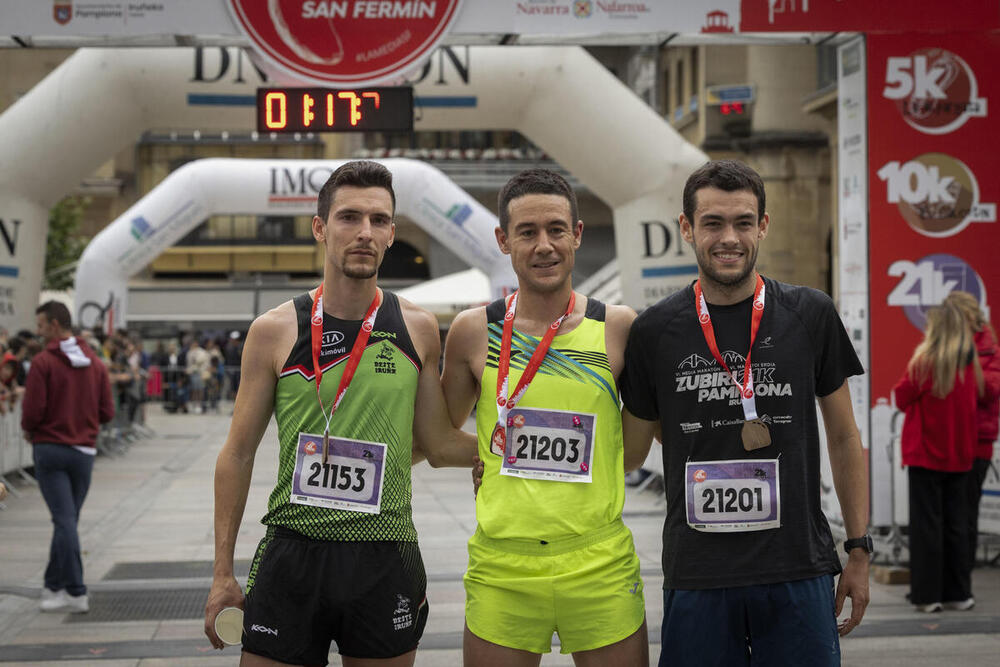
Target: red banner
<point>933,184</point>
<point>867,15</point>
<point>345,42</point>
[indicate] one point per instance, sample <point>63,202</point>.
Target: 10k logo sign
<point>935,90</point>
<point>937,194</point>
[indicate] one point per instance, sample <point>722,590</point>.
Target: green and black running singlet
<point>377,408</point>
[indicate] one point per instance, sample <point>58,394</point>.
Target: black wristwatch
<point>864,542</point>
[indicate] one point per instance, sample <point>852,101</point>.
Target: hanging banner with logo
<point>345,42</point>
<point>866,15</point>
<point>933,199</point>
<point>562,17</point>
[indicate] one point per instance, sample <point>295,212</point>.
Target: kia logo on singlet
<point>332,338</point>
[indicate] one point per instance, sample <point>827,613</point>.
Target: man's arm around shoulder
<point>434,434</point>
<point>637,434</point>
<point>267,340</point>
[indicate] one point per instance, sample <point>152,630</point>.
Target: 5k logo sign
<point>935,90</point>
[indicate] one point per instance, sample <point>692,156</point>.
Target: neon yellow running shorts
<point>587,589</point>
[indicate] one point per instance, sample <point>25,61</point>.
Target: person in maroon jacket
<point>987,409</point>
<point>67,397</point>
<point>938,394</point>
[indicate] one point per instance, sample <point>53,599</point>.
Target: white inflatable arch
<point>99,101</point>
<point>213,186</point>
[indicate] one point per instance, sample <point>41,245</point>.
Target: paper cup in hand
<point>229,625</point>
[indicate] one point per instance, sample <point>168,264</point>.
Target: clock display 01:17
<point>388,109</point>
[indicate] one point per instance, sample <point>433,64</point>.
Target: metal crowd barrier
<point>15,450</point>
<point>171,386</point>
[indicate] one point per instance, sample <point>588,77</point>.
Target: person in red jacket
<point>987,409</point>
<point>938,394</point>
<point>67,397</point>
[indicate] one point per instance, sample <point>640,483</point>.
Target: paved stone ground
<point>154,504</point>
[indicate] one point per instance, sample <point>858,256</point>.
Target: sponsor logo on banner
<point>543,8</point>
<point>62,11</point>
<point>926,282</point>
<point>937,194</point>
<point>345,42</point>
<point>583,9</point>
<point>141,229</point>
<point>866,15</point>
<point>624,10</point>
<point>293,188</point>
<point>8,235</point>
<point>935,90</point>
<point>717,21</point>
<point>459,213</point>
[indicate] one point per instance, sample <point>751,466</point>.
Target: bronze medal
<point>498,441</point>
<point>755,435</point>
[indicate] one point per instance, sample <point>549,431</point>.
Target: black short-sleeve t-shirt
<point>801,351</point>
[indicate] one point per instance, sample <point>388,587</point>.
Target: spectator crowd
<point>191,373</point>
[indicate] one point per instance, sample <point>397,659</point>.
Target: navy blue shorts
<point>790,623</point>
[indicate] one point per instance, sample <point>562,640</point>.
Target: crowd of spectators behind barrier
<point>191,373</point>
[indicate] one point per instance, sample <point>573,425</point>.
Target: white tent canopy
<point>451,294</point>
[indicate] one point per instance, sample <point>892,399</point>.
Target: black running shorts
<point>366,596</point>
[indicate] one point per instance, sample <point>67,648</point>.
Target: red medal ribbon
<point>504,404</point>
<point>705,319</point>
<point>316,330</point>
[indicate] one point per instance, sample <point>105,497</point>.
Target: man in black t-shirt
<point>748,557</point>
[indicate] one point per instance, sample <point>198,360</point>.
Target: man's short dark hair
<point>534,182</point>
<point>15,344</point>
<point>358,173</point>
<point>53,310</point>
<point>727,175</point>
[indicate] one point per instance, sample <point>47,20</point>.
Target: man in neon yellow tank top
<point>551,553</point>
<point>350,372</point>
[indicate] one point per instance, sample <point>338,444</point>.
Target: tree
<point>64,244</point>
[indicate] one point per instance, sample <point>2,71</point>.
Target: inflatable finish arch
<point>99,101</point>
<point>217,185</point>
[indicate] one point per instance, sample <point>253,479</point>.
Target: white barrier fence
<point>15,450</point>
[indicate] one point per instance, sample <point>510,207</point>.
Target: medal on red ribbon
<point>358,349</point>
<point>755,433</point>
<point>498,441</point>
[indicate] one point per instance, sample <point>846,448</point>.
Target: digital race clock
<point>334,110</point>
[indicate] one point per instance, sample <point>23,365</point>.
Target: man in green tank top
<point>350,373</point>
<point>550,553</point>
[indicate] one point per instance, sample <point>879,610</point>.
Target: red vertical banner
<point>933,186</point>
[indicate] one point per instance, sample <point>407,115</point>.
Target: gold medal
<point>498,441</point>
<point>755,435</point>
<point>326,446</point>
